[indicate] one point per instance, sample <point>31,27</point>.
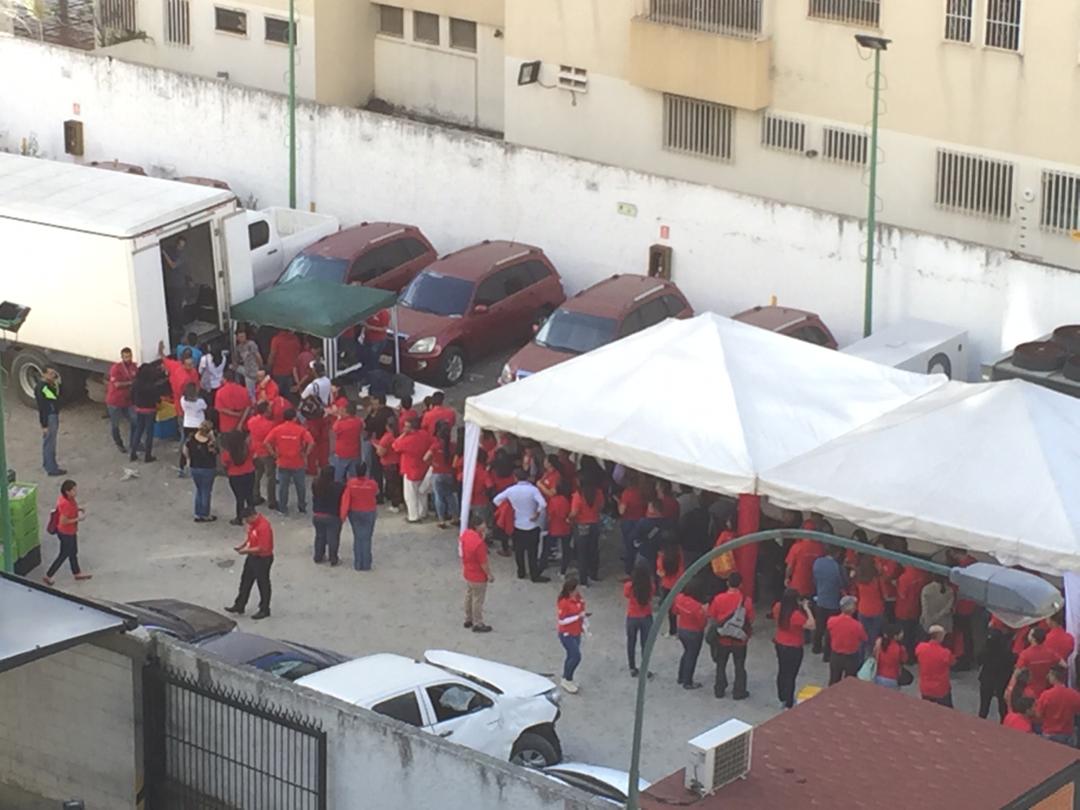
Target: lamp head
<point>872,42</point>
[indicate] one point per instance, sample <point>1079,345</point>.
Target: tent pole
<point>468,475</point>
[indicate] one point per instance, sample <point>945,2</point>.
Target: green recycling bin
<point>25,528</point>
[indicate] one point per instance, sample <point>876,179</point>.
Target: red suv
<point>386,255</point>
<point>473,302</point>
<point>796,323</point>
<point>609,310</point>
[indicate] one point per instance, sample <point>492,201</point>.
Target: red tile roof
<point>857,746</point>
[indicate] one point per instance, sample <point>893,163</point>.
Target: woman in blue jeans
<point>358,507</point>
<point>201,452</point>
<point>325,506</point>
<point>570,610</point>
<point>441,459</point>
<point>639,594</point>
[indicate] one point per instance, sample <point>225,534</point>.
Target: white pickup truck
<point>278,234</point>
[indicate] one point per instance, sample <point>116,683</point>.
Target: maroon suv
<point>609,310</point>
<point>479,300</point>
<point>386,255</point>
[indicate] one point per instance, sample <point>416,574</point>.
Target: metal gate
<point>210,748</point>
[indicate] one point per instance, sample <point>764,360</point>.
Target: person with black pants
<point>240,469</point>
<point>793,616</point>
<point>528,505</point>
<point>996,666</point>
<point>68,516</point>
<point>585,508</point>
<point>732,635</point>
<point>258,552</point>
<point>847,636</point>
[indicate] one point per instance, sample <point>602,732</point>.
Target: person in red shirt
<point>638,592</point>
<point>358,501</point>
<point>289,443</point>
<point>1058,706</point>
<point>1021,715</point>
<point>405,412</point>
<point>1037,660</point>
<point>388,463</point>
<point>668,502</point>
<point>476,572</point>
<point>570,621</point>
<point>732,635</point>
<point>488,443</point>
<point>909,587</point>
<point>691,617</point>
<point>284,349</point>
<point>438,412</point>
<point>232,402</point>
<point>376,328</point>
<point>440,458</point>
<point>240,469</point>
<point>550,477</point>
<point>963,614</point>
<point>793,617</point>
<point>180,371</point>
<point>800,563</point>
<point>631,511</point>
<point>846,637</point>
<point>266,390</point>
<point>413,445</point>
<point>258,553</point>
<point>669,568</point>
<point>585,506</point>
<point>890,655</point>
<point>348,432</point>
<point>68,517</point>
<point>259,427</point>
<point>871,599</point>
<point>888,574</point>
<point>118,396</point>
<point>935,661</point>
<point>1058,638</point>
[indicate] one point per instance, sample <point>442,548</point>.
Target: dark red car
<point>609,310</point>
<point>796,323</point>
<point>386,255</point>
<point>473,302</point>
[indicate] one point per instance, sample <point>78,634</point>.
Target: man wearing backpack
<point>732,615</point>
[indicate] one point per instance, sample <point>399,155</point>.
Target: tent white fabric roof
<point>707,401</point>
<point>993,467</point>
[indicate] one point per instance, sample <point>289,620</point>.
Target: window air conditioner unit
<point>719,757</point>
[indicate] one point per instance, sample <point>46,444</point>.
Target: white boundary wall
<point>731,251</point>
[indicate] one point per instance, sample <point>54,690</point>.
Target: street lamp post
<point>292,103</point>
<point>877,45</point>
<point>1018,593</point>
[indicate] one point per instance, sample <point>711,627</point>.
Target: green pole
<point>292,103</point>
<point>684,580</point>
<point>5,509</point>
<point>871,210</point>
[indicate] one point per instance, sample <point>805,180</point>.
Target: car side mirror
<point>480,309</point>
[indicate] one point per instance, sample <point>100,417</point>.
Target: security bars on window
<point>844,146</point>
<point>1060,202</point>
<point>698,127</point>
<point>958,20</point>
<point>736,18</point>
<point>118,15</point>
<point>783,134</point>
<point>178,22</point>
<point>973,184</point>
<point>863,12</point>
<point>1003,24</point>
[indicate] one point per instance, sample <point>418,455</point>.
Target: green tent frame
<point>313,306</point>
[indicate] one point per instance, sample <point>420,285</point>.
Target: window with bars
<point>1060,211</point>
<point>698,127</point>
<point>1003,24</point>
<point>737,18</point>
<point>973,184</point>
<point>845,146</point>
<point>178,22</point>
<point>784,134</point>
<point>230,20</point>
<point>118,15</point>
<point>862,12</point>
<point>958,20</point>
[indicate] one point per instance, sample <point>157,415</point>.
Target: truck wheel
<point>452,366</point>
<point>26,370</point>
<point>534,750</point>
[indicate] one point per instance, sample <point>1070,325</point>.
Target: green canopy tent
<point>320,308</point>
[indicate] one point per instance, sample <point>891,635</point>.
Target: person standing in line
<point>638,592</point>
<point>266,390</point>
<point>793,618</point>
<point>348,432</point>
<point>996,662</point>
<point>358,501</point>
<point>909,588</point>
<point>528,505</point>
<point>201,452</point>
<point>314,402</point>
<point>1021,715</point>
<point>479,502</point>
<point>406,411</point>
<point>389,460</point>
<point>68,517</point>
<point>733,613</point>
<point>871,600</point>
<point>439,457</point>
<point>258,553</point>
<point>631,510</point>
<point>289,443</point>
<point>477,573</point>
<point>326,494</point>
<point>438,412</point>
<point>47,398</point>
<point>212,367</point>
<point>570,621</point>
<point>190,343</point>
<point>180,371</point>
<point>890,655</point>
<point>935,661</point>
<point>412,446</point>
<point>284,349</point>
<point>690,618</point>
<point>937,600</point>
<point>191,414</point>
<point>1058,707</point>
<point>232,402</point>
<point>303,368</point>
<point>550,476</point>
<point>559,537</point>
<point>963,614</point>
<point>669,568</point>
<point>830,582</point>
<point>585,507</point>
<point>1058,638</point>
<point>259,427</point>
<point>240,468</point>
<point>800,562</point>
<point>1037,659</point>
<point>248,360</point>
<point>118,396</point>
<point>846,637</point>
<point>146,391</point>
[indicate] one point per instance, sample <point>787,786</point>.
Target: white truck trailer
<point>107,260</point>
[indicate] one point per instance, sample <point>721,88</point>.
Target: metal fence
<point>210,748</point>
<point>736,18</point>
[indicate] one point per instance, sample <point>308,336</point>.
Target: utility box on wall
<point>73,138</point>
<point>660,261</point>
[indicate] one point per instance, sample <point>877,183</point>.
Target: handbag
<point>906,678</point>
<point>53,526</point>
<point>868,670</point>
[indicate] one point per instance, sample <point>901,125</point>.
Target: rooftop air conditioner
<point>719,757</point>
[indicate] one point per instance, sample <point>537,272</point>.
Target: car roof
<point>774,318</point>
<point>614,296</point>
<point>240,647</point>
<point>184,618</point>
<point>365,680</point>
<point>350,242</point>
<point>476,261</point>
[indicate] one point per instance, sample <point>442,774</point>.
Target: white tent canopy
<point>993,467</point>
<point>707,401</point>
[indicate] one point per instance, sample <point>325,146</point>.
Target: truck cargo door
<point>152,322</point>
<point>238,270</point>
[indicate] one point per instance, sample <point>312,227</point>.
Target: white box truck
<point>106,260</point>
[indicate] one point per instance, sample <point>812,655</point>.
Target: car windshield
<point>320,267</point>
<point>438,294</point>
<point>575,332</point>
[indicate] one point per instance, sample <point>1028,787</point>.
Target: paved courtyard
<point>139,541</point>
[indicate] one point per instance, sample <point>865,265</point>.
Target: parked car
<point>606,783</point>
<point>500,710</point>
<point>386,255</point>
<point>796,323</point>
<point>117,166</point>
<point>209,182</point>
<point>181,620</point>
<point>276,235</point>
<point>285,659</point>
<point>606,311</point>
<point>481,299</point>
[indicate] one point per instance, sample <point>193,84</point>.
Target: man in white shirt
<point>528,505</point>
<point>319,387</point>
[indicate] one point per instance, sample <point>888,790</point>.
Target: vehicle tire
<point>26,370</point>
<point>940,364</point>
<point>452,366</point>
<point>534,750</point>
